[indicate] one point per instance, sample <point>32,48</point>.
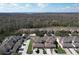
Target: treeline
<point>14,21</point>
<point>17,21</point>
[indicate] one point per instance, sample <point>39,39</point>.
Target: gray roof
<point>66,39</point>
<point>17,45</point>
<point>69,39</point>
<point>38,40</point>
<point>67,45</point>
<point>76,45</point>
<point>51,40</point>
<point>49,45</point>
<point>45,38</point>
<point>3,48</point>
<point>38,45</point>
<point>11,44</point>
<point>76,39</point>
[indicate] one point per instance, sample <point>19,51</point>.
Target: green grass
<point>29,51</point>
<point>59,50</point>
<point>77,51</point>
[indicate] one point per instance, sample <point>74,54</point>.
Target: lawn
<point>59,50</point>
<point>29,51</point>
<point>77,51</point>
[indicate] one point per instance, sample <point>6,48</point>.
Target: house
<point>38,45</point>
<point>70,42</point>
<point>11,44</point>
<point>38,42</point>
<point>68,45</point>
<point>50,42</point>
<point>44,42</point>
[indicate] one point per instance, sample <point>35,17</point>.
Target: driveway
<point>73,51</point>
<point>25,47</point>
<point>67,51</point>
<point>53,52</point>
<point>48,51</point>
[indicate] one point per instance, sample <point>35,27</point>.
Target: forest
<point>9,22</point>
<point>15,21</point>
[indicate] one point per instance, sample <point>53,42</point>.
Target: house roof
<point>67,45</point>
<point>76,45</point>
<point>38,45</point>
<point>66,39</point>
<point>49,45</point>
<point>76,39</point>
<point>50,39</point>
<point>8,43</point>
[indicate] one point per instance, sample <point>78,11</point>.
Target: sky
<point>39,7</point>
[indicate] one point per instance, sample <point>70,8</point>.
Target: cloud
<point>13,7</point>
<point>13,4</point>
<point>38,7</point>
<point>42,5</point>
<point>28,6</point>
<point>8,5</point>
<point>70,9</point>
<point>25,7</point>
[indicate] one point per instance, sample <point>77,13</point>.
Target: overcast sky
<point>39,7</point>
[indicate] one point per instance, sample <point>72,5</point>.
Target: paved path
<point>53,52</point>
<point>25,47</point>
<point>34,51</point>
<point>48,51</point>
<point>73,51</point>
<point>67,51</point>
<point>41,51</point>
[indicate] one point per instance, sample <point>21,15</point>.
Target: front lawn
<point>29,51</point>
<point>59,50</point>
<point>77,51</point>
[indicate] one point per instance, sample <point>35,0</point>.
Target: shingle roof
<point>67,45</point>
<point>76,39</point>
<point>8,44</point>
<point>50,45</point>
<point>38,45</point>
<point>76,45</point>
<point>50,39</point>
<point>66,39</point>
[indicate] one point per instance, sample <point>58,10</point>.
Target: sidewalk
<point>67,51</point>
<point>24,52</point>
<point>48,51</point>
<point>53,52</point>
<point>73,51</point>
